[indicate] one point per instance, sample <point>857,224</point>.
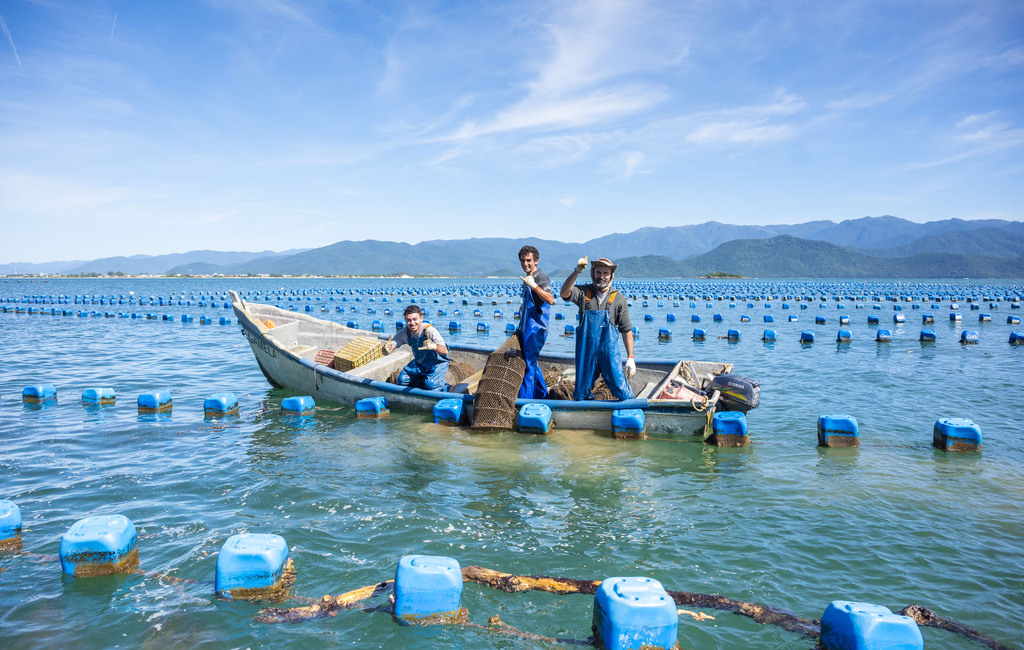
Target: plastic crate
<point>358,351</point>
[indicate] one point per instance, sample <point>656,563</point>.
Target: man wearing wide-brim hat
<point>604,317</point>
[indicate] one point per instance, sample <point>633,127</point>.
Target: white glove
<point>530,282</point>
<point>581,263</point>
<point>389,347</point>
<point>630,367</point>
<point>428,345</point>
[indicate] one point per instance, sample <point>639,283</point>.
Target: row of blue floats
<point>728,428</point>
<point>630,613</point>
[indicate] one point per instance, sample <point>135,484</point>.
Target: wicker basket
<point>358,351</point>
<point>494,405</point>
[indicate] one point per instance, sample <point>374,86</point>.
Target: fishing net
<point>562,388</point>
<point>458,371</point>
<point>494,406</point>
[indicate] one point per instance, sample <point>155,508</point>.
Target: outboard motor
<point>736,392</point>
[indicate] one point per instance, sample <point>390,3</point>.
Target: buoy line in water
<point>329,606</point>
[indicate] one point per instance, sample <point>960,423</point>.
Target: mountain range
<point>878,247</point>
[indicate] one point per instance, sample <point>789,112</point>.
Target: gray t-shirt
<point>586,297</point>
<point>402,336</point>
<point>544,282</point>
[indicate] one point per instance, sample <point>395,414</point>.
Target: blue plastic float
<point>927,336</point>
<point>448,411</point>
<point>956,434</point>
<point>632,613</point>
<point>534,418</point>
<point>729,429</point>
<point>372,407</point>
<point>156,401</point>
<point>99,396</point>
<point>968,337</point>
<point>98,546</point>
<point>427,586</point>
<point>847,625</point>
<point>807,336</point>
<point>220,404</point>
<point>10,524</point>
<point>699,334</point>
<point>251,563</point>
<point>300,405</point>
<point>39,393</point>
<point>838,431</point>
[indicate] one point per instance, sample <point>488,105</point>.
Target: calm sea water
<point>780,522</point>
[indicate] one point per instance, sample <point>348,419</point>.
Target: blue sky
<point>160,127</point>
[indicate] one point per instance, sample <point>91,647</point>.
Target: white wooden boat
<point>285,344</point>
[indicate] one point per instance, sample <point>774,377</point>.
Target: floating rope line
<point>510,583</point>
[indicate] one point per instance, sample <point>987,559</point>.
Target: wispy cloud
<point>10,40</point>
<point>597,55</point>
<point>748,124</point>
<point>976,136</point>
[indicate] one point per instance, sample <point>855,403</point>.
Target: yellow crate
<point>358,351</point>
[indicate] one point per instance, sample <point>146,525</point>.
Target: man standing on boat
<point>430,354</point>
<point>603,314</point>
<point>533,321</point>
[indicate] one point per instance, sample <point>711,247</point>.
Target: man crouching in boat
<point>603,315</point>
<point>430,354</point>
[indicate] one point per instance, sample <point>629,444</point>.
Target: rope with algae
<point>511,583</point>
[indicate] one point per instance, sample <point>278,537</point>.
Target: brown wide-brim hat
<point>604,261</point>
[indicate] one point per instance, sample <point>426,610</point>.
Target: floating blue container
<point>695,318</point>
<point>985,318</point>
<point>648,318</point>
<point>1016,338</point>
<point>699,334</point>
<point>99,396</point>
<point>99,546</point>
<point>819,320</point>
<point>927,319</point>
<point>427,586</point>
<point>570,330</point>
<point>1013,320</point>
<point>768,318</point>
<point>373,407</point>
<point>224,320</point>
<point>956,434</point>
<point>299,405</point>
<point>956,317</point>
<point>39,393</point>
<point>729,429</point>
<point>717,318</point>
<point>847,625</point>
<point>250,565</point>
<point>559,316</point>
<point>744,318</point>
<point>844,336</point>
<point>10,525</point>
<point>633,613</point>
<point>733,335</point>
<point>899,318</point>
<point>510,328</point>
<point>377,326</point>
<point>844,320</point>
<point>448,411</point>
<point>454,326</point>
<point>534,418</point>
<point>670,318</point>
<point>968,337</point>
<point>156,401</point>
<point>807,336</point>
<point>794,319</point>
<point>838,431</point>
<point>768,336</point>
<point>873,320</point>
<point>185,318</point>
<point>483,327</point>
<point>883,336</point>
<point>629,423</point>
<point>664,334</point>
<point>220,404</point>
<point>927,336</point>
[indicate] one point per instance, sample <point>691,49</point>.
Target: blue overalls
<point>427,368</point>
<point>533,331</point>
<point>597,352</point>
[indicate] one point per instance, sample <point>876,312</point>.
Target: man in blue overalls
<point>430,360</point>
<point>533,321</point>
<point>603,317</point>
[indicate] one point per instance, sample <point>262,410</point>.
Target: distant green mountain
<point>987,242</point>
<point>790,257</point>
